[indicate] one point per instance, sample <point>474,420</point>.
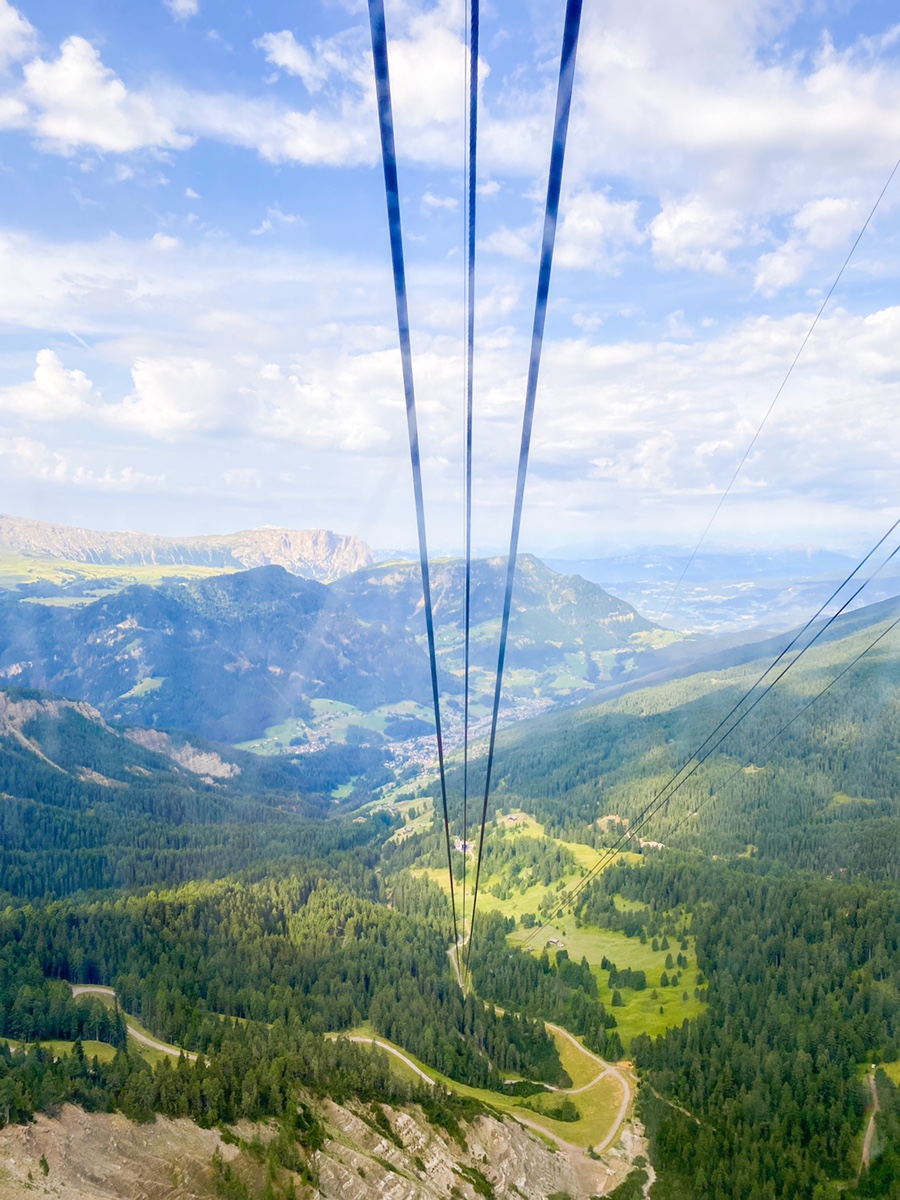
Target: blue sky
<point>196,324</point>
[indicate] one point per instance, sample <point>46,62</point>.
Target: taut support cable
<point>392,192</point>
<point>471,180</point>
<point>699,756</point>
<point>777,396</point>
<point>551,214</point>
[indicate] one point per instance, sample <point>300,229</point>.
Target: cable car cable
<point>871,646</point>
<point>392,194</point>
<point>471,181</point>
<point>664,795</point>
<point>551,215</point>
<point>796,638</point>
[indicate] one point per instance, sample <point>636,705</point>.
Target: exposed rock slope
<point>312,553</point>
<point>103,1156</point>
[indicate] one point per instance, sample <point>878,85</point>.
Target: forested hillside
<point>222,657</point>
<point>85,807</point>
<point>817,787</point>
<point>765,1093</point>
<point>242,908</point>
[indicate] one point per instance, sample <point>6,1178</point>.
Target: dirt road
<point>96,989</point>
<point>374,1041</point>
<point>870,1128</point>
<point>608,1069</point>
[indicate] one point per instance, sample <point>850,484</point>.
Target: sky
<point>197,331</point>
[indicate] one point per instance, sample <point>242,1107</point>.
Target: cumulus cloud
<point>595,229</point>
<point>285,52</point>
<point>54,394</point>
<point>427,59</point>
<point>17,35</point>
<point>429,200</point>
<point>34,460</point>
<point>825,224</point>
<point>691,232</point>
<point>521,243</point>
<point>175,396</point>
<point>182,9</point>
<point>80,102</point>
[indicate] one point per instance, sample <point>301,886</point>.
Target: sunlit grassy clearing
<point>103,1051</point>
<point>640,1012</point>
<point>332,718</point>
<point>599,1105</point>
<point>18,569</point>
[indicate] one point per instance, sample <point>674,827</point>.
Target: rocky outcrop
<point>312,553</point>
<point>103,1156</point>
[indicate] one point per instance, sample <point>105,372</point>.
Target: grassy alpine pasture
<point>102,1051</point>
<point>91,580</point>
<point>598,1105</point>
<point>640,1012</point>
<point>332,721</point>
<point>650,1011</point>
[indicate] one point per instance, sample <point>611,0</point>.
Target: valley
<point>221,835</point>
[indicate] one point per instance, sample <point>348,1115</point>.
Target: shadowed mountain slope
<point>224,657</point>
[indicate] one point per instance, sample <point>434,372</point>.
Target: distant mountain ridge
<point>311,553</point>
<point>223,657</point>
<point>230,656</point>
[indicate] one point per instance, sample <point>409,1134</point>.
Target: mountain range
<point>229,656</point>
<point>722,591</point>
<point>248,907</point>
<point>311,553</point>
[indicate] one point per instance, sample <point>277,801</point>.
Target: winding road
<point>96,989</point>
<point>606,1068</point>
<point>870,1128</point>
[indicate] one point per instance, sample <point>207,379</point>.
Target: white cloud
<point>825,224</point>
<point>500,302</point>
<point>81,102</point>
<point>829,222</point>
<point>781,268</point>
<point>346,137</point>
<point>693,233</point>
<point>624,424</point>
<point>13,113</point>
<point>427,59</point>
<point>182,9</point>
<point>17,35</point>
<point>284,51</point>
<point>33,460</point>
<point>274,216</point>
<point>125,479</point>
<point>429,200</point>
<point>174,397</point>
<point>54,394</point>
<point>595,228</point>
<point>519,243</point>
